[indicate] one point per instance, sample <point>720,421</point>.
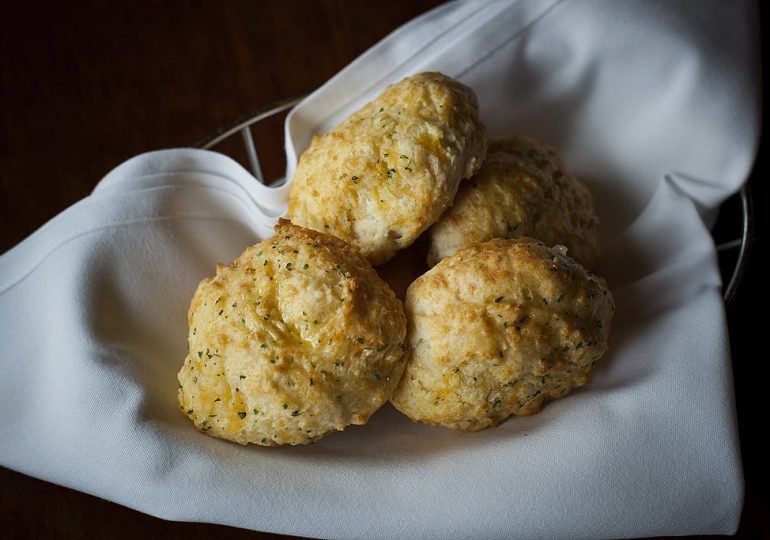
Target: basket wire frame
<point>243,124</point>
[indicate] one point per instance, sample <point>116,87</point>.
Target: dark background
<point>84,88</point>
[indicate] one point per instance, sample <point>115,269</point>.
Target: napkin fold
<point>654,105</point>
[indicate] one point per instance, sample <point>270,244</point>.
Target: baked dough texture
<point>522,189</point>
<point>388,172</point>
<point>498,329</point>
<point>296,338</point>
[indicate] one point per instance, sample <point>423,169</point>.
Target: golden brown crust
<point>296,338</point>
<point>388,171</point>
<point>498,329</point>
<point>522,189</point>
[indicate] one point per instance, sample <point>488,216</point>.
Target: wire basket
<point>736,214</point>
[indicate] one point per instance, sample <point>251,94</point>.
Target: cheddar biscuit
<point>387,172</point>
<point>295,338</point>
<point>522,189</point>
<point>498,329</point>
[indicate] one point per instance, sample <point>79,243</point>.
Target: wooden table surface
<point>86,85</point>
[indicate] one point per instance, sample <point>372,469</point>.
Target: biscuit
<point>498,329</point>
<point>296,338</point>
<point>522,189</point>
<point>387,172</point>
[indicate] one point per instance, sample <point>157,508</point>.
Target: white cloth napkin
<point>653,104</point>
